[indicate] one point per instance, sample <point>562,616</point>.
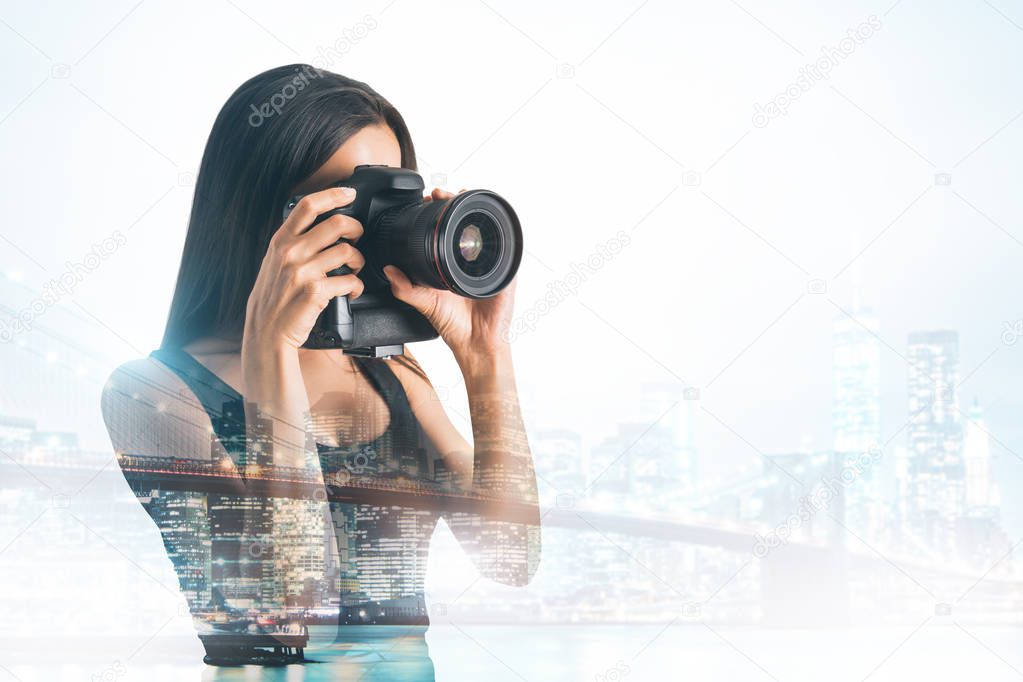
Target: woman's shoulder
<point>148,410</point>
<point>143,380</point>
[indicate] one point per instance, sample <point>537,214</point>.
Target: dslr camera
<point>470,244</point>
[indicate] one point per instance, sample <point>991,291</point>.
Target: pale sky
<point>652,134</point>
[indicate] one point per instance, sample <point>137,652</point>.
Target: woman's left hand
<point>467,325</point>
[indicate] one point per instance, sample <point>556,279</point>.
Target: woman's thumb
<point>404,290</point>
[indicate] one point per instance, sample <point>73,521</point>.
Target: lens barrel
<point>470,244</point>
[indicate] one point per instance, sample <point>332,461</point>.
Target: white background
<point>106,107</point>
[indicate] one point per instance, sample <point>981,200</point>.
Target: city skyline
<point>643,470</point>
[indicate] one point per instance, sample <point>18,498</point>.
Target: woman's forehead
<point>373,145</point>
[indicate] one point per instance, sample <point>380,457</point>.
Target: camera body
<point>470,244</point>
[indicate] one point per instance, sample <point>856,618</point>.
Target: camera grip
<point>337,317</point>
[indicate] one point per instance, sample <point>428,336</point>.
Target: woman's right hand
<point>292,286</point>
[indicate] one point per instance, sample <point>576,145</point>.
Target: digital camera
<point>470,244</point>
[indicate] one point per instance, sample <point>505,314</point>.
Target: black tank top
<point>221,402</point>
<point>382,550</point>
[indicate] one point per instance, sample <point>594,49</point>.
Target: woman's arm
<point>502,461</point>
<point>275,395</point>
<point>502,471</point>
<point>291,290</point>
<point>502,535</point>
<point>147,410</point>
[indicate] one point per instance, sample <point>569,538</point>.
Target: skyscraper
<point>936,470</point>
<point>241,526</point>
<point>856,414</point>
<point>980,491</point>
<point>184,526</point>
<point>303,551</point>
<point>673,406</point>
<point>981,537</point>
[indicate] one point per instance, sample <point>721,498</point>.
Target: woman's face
<point>373,145</point>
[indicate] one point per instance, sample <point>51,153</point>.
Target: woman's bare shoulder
<point>149,411</point>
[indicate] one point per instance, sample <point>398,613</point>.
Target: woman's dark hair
<point>275,131</point>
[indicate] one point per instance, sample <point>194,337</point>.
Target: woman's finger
<point>326,288</point>
<point>439,194</point>
<point>336,256</point>
<point>325,234</point>
<point>420,298</point>
<point>313,205</point>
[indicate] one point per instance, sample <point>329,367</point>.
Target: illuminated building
<point>936,470</point>
<point>856,415</point>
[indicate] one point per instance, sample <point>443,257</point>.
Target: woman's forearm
<point>504,534</point>
<point>275,397</point>
<point>502,461</point>
<point>279,435</point>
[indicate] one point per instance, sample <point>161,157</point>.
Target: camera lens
<point>479,244</point>
<point>470,244</point>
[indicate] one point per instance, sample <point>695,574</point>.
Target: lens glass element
<point>478,244</point>
<point>470,243</point>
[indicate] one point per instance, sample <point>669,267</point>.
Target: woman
<point>232,396</point>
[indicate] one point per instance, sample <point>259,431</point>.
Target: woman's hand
<point>291,290</point>
<point>292,286</point>
<point>469,326</point>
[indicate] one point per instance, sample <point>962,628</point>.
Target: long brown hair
<point>275,131</point>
